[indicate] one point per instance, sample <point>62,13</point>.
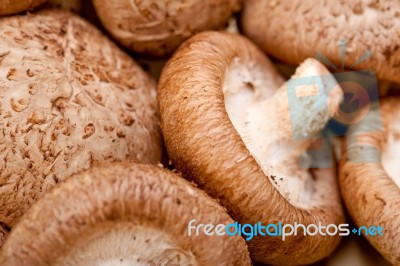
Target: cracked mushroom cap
<point>226,124</point>
<point>8,7</point>
<point>157,28</point>
<point>294,30</point>
<point>122,214</point>
<point>371,189</point>
<point>69,98</point>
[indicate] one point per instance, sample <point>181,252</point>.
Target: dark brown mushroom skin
<point>202,143</point>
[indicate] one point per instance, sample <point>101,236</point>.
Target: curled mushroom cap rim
<point>122,213</point>
<point>203,143</point>
<point>368,176</point>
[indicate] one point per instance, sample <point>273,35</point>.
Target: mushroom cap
<point>157,28</point>
<point>69,98</point>
<point>203,143</point>
<point>122,213</point>
<point>8,7</point>
<point>369,189</point>
<point>295,30</point>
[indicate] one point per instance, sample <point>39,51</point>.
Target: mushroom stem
<point>296,116</point>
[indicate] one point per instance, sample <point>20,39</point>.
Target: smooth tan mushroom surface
<point>122,214</point>
<point>157,28</point>
<point>371,189</point>
<point>295,30</point>
<point>226,125</point>
<point>8,7</point>
<point>69,98</point>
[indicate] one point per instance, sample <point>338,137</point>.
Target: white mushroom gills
<point>262,118</point>
<point>110,245</point>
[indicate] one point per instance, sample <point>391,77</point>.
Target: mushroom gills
<point>260,114</point>
<point>109,244</point>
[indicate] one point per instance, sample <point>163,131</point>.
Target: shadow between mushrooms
<point>370,176</point>
<point>122,214</point>
<point>226,125</point>
<point>69,98</point>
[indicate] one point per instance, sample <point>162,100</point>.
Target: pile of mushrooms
<point>84,129</point>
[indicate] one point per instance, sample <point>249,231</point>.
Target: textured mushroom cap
<point>202,142</point>
<point>370,193</point>
<point>157,27</point>
<point>69,98</point>
<point>295,30</point>
<point>122,212</point>
<point>14,6</point>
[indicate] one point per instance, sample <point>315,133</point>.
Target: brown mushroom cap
<point>15,6</point>
<point>69,98</point>
<point>122,214</point>
<point>157,28</point>
<point>295,30</point>
<point>203,143</point>
<point>371,190</point>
